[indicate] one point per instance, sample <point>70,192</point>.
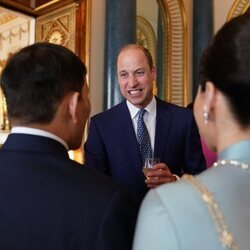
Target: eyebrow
<point>123,71</point>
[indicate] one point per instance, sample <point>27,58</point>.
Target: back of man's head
<point>36,79</point>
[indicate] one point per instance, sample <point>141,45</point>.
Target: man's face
<point>135,77</point>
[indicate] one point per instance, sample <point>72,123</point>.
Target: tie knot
<point>141,113</point>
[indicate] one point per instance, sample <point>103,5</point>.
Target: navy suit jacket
<point>112,148</point>
<point>51,202</point>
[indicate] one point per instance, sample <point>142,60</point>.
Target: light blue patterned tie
<point>143,137</point>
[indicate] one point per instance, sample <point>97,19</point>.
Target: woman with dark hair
<point>211,210</point>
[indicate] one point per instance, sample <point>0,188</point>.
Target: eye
<point>139,72</point>
<point>123,75</point>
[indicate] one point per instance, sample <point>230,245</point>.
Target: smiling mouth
<point>135,92</point>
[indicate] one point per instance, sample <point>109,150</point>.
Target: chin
<point>137,102</point>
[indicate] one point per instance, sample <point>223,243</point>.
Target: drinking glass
<point>148,164</point>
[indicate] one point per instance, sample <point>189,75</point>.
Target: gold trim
<point>144,26</point>
<point>87,62</point>
<point>46,5</point>
<point>50,19</point>
<point>145,29</point>
<point>175,26</point>
<point>6,16</point>
<point>42,9</point>
<point>225,235</point>
<point>238,8</point>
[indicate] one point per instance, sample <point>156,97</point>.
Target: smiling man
<point>112,146</point>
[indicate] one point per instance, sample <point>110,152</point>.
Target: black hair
<point>36,79</point>
<point>226,63</point>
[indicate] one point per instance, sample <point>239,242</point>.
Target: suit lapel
<point>163,122</point>
<point>128,137</point>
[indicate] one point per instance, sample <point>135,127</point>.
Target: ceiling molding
<point>45,7</point>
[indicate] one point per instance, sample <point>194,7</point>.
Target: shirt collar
<point>151,108</point>
<point>39,132</point>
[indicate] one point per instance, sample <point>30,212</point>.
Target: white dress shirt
<point>39,132</point>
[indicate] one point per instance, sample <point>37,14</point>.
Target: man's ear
<point>73,105</point>
<point>153,72</point>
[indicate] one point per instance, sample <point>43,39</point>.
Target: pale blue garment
<point>173,216</point>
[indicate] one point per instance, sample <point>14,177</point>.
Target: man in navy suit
<point>47,200</point>
<point>112,147</point>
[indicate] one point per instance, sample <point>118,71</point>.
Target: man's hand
<point>159,174</point>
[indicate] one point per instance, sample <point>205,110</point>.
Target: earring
<point>205,115</point>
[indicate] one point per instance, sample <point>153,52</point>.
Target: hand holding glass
<point>148,164</point>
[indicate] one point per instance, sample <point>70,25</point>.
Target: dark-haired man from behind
<point>47,200</point>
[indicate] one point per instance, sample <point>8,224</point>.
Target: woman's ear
<point>210,93</point>
<point>73,106</point>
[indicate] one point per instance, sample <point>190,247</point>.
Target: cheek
<point>147,80</point>
<point>122,85</point>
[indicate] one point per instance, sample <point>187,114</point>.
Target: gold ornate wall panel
<point>58,27</point>
<point>145,35</point>
<point>175,26</point>
<point>239,7</point>
<point>64,22</point>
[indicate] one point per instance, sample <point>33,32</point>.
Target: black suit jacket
<point>48,201</point>
<point>112,148</point>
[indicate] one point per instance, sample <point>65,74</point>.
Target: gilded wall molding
<point>58,27</point>
<point>175,26</point>
<point>145,35</point>
<point>239,7</point>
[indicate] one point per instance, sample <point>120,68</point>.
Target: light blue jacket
<point>173,216</point>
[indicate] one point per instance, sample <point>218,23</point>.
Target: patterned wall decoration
<point>239,7</point>
<point>58,27</point>
<point>146,37</point>
<point>175,31</point>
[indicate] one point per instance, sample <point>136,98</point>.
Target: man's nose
<point>132,81</point>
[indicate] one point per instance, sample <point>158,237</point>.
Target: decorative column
<point>202,34</point>
<point>120,30</point>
